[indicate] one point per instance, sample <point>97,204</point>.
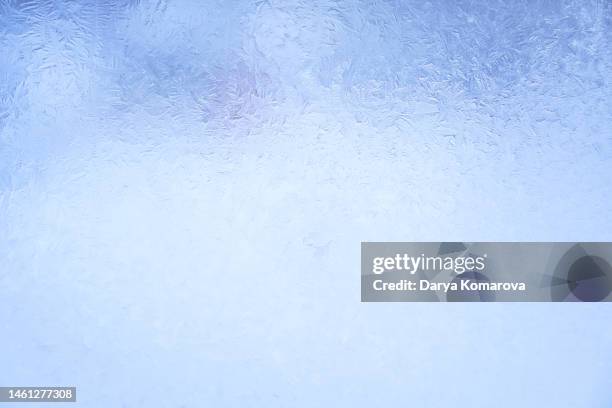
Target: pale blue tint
<point>184,186</point>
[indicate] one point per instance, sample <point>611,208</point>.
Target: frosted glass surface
<point>184,186</point>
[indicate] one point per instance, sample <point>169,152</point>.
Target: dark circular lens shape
<point>589,278</point>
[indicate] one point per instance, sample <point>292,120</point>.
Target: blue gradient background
<point>184,186</point>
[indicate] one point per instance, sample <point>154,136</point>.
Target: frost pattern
<point>184,186</point>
